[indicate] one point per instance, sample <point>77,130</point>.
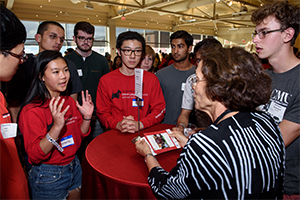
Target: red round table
<point>113,169</point>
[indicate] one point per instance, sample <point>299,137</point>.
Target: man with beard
<point>91,66</point>
<point>172,78</point>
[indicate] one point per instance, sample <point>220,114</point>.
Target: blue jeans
<point>54,181</point>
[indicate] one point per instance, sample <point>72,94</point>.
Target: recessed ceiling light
<point>36,15</point>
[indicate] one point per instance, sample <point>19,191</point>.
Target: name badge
<point>79,71</point>
<point>67,141</point>
<point>182,86</point>
<point>134,103</point>
<point>9,130</point>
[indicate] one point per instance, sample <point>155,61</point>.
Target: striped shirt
<point>242,157</point>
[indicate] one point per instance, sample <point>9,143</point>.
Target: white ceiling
<point>207,17</point>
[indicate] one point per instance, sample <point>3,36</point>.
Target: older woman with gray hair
<point>240,155</point>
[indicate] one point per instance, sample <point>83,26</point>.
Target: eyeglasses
<point>83,39</point>
<point>23,57</point>
<point>198,60</point>
<point>195,80</point>
<point>128,52</point>
<point>262,34</point>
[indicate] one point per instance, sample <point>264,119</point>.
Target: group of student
<point>59,101</point>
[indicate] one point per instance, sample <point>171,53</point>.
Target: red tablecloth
<point>113,169</point>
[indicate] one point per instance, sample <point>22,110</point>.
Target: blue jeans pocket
<point>46,177</point>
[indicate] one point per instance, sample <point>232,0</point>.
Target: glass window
<point>151,38</point>
<point>69,31</point>
<point>31,28</point>
<point>100,33</point>
<point>120,30</point>
<point>140,31</point>
<point>164,39</point>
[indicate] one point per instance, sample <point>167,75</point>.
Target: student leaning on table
<point>239,156</point>
<point>116,105</point>
<point>13,183</point>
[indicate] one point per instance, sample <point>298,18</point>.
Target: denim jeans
<point>54,181</point>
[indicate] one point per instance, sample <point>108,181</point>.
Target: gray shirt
<point>172,82</point>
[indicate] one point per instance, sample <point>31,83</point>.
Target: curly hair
<point>286,14</point>
<point>236,78</point>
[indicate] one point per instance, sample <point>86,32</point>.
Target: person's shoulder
<point>72,55</point>
<point>115,74</point>
<point>150,75</point>
<point>165,70</point>
<point>98,55</point>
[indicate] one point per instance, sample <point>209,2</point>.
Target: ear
<point>38,37</point>
<point>118,52</point>
<point>190,48</point>
<point>74,38</point>
<point>289,34</point>
<point>41,78</point>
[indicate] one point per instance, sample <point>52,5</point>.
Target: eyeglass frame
<point>22,58</point>
<point>134,51</point>
<point>195,80</point>
<point>83,39</point>
<point>262,34</point>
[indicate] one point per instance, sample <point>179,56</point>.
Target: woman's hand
<point>182,140</point>
<point>57,114</point>
<point>87,107</point>
<point>142,147</point>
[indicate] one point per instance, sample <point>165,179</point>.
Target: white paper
<point>139,82</point>
<point>9,130</point>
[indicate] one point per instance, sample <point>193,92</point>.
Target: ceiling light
<point>75,1</point>
<point>230,3</point>
<point>88,5</point>
<point>233,28</point>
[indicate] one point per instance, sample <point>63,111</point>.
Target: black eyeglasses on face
<point>262,34</point>
<point>128,52</point>
<point>82,39</point>
<point>22,57</point>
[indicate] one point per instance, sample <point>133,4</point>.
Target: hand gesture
<point>142,147</point>
<point>87,107</point>
<point>57,114</point>
<point>182,140</point>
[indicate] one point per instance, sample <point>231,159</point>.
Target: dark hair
<point>38,92</point>
<point>44,26</point>
<point>184,35</point>
<point>12,31</point>
<point>114,64</point>
<point>236,78</point>
<point>85,27</point>
<point>286,14</point>
<point>130,35</point>
<point>207,45</point>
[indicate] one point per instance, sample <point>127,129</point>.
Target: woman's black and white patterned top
<point>242,157</point>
